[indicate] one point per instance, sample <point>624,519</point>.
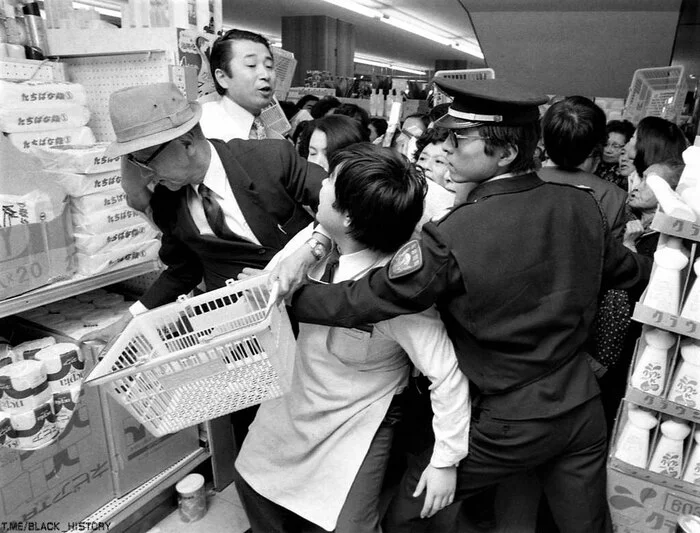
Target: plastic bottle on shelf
<point>669,200</point>
<point>692,469</point>
<point>691,307</point>
<point>685,389</point>
<point>667,458</point>
<point>633,444</point>
<point>689,182</point>
<point>664,290</point>
<point>650,371</point>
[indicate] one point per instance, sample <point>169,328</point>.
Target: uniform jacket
<point>515,273</point>
<point>271,184</point>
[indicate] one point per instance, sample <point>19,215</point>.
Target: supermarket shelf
<point>97,42</point>
<point>119,509</point>
<point>71,287</point>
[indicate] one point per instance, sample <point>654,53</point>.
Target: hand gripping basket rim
<point>200,357</point>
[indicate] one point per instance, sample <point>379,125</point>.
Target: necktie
<point>331,265</point>
<point>214,213</point>
<point>257,130</point>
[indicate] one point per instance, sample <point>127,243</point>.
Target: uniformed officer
<point>515,272</point>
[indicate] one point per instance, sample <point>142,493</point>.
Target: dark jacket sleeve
<point>184,270</point>
<point>624,269</point>
<point>302,180</point>
<point>376,296</point>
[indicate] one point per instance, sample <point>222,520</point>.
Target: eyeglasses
<point>454,137</point>
<point>145,165</point>
<point>615,146</point>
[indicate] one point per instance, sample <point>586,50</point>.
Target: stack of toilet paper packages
<point>75,317</point>
<point>108,233</point>
<point>40,385</point>
<point>41,113</point>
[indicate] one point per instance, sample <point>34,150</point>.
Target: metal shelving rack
<point>71,287</point>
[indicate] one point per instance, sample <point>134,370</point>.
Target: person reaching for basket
<point>314,459</point>
<point>220,206</point>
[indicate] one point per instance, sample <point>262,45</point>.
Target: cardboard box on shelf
<point>642,501</point>
<point>67,480</point>
<point>136,455</point>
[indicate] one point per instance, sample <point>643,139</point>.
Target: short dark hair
<point>382,193</point>
<point>524,137</point>
<point>340,131</point>
<point>306,98</point>
<point>623,127</point>
<point>429,136</point>
<point>658,140</point>
<point>222,52</point>
<point>354,111</point>
<point>323,106</point>
<point>380,124</point>
<point>572,128</point>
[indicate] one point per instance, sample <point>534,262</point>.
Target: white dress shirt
<point>224,119</point>
<point>217,181</point>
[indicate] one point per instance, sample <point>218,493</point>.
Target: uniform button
<point>262,251</point>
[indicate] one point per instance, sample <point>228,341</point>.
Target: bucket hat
<point>149,115</point>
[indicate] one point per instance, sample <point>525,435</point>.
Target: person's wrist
<point>318,249</point>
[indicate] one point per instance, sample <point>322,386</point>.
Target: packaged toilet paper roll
<point>26,350</point>
<point>64,365</point>
<point>27,141</point>
<point>108,301</point>
<point>64,405</point>
<point>77,184</point>
<point>36,427</point>
<point>23,386</point>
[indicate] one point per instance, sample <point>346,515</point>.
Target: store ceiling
<point>559,46</point>
<point>372,37</point>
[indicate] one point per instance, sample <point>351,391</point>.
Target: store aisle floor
<point>224,513</point>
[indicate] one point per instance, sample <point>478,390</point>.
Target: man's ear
<point>347,221</point>
<point>508,154</point>
<point>222,78</point>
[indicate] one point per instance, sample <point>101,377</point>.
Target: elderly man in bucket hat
<point>517,294</point>
<point>221,207</point>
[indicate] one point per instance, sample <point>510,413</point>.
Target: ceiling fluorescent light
<point>356,8</point>
<point>387,63</point>
<point>416,30</point>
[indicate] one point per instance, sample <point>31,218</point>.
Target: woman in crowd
<point>619,133</point>
<point>656,140</point>
<point>331,133</point>
<point>430,157</point>
<point>639,236</point>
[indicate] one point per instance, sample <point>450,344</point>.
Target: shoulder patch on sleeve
<point>407,260</point>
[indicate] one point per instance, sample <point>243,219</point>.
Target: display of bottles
<point>692,469</point>
<point>633,443</point>
<point>650,370</point>
<point>664,290</point>
<point>685,389</point>
<point>667,458</point>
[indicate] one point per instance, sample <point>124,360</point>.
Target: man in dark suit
<point>220,206</point>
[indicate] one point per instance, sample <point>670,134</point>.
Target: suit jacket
<point>271,183</point>
<point>612,199</point>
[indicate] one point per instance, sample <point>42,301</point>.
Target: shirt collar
<point>215,178</point>
<point>358,263</point>
<point>239,115</point>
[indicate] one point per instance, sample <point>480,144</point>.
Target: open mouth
<point>266,91</point>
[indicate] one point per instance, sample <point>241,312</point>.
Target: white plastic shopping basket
<point>200,357</point>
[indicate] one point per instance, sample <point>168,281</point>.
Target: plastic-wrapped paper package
<point>77,185</point>
<point>84,205</point>
<point>90,265</point>
<point>27,141</point>
<point>117,240</point>
<point>31,208</point>
<point>80,159</point>
<point>107,220</point>
<point>36,230</point>
<point>20,120</point>
<point>32,94</point>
